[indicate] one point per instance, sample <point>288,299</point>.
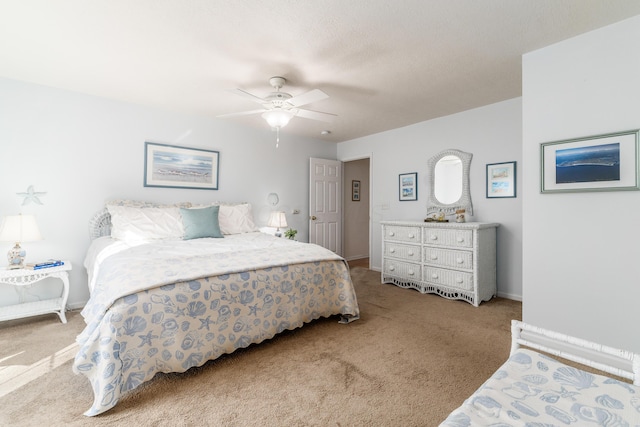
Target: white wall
<point>581,266</point>
<point>83,150</point>
<point>492,134</point>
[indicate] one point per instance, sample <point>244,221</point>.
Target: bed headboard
<point>100,224</point>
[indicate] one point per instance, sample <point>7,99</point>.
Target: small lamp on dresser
<point>277,219</point>
<point>19,228</point>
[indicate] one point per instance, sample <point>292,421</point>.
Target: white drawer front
<point>451,238</point>
<point>402,234</point>
<point>406,252</point>
<point>449,278</point>
<point>405,270</point>
<point>448,258</point>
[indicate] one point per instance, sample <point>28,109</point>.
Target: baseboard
<point>509,296</point>
<point>76,305</point>
<point>355,257</point>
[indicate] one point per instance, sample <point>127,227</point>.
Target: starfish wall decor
<point>31,195</point>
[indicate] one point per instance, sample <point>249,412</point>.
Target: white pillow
<point>144,223</point>
<point>236,219</point>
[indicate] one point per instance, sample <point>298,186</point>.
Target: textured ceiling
<point>383,63</point>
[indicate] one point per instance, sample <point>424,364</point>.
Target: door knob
<point>313,218</point>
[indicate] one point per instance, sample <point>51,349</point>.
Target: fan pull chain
<point>277,136</point>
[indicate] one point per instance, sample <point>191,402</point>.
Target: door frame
<point>344,187</point>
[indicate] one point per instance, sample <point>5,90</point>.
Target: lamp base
<point>16,256</point>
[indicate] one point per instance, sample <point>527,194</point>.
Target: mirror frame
<point>464,202</point>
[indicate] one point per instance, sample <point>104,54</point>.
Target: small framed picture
<point>594,163</point>
<point>501,180</point>
<point>355,190</point>
<point>408,186</point>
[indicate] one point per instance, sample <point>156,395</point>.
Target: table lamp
<point>19,228</point>
<point>277,219</point>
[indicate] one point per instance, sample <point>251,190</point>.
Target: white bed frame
<point>621,363</point>
<point>100,224</point>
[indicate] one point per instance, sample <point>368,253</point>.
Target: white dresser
<point>453,260</point>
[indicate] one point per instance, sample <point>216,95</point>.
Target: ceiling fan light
<point>277,118</point>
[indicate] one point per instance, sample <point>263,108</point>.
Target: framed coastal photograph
<point>355,190</point>
<point>596,163</point>
<point>408,186</point>
<point>501,180</point>
<point>180,167</point>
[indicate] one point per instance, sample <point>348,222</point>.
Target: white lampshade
<point>278,118</point>
<point>277,219</point>
<point>20,228</point>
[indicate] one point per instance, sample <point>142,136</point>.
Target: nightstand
<point>22,278</point>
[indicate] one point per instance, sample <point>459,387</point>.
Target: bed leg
<point>516,330</point>
<point>348,318</point>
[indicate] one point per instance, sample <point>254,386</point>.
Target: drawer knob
<point>411,236</point>
<point>392,250</point>
<point>434,276</point>
<point>391,233</point>
<point>460,239</point>
<point>411,273</point>
<point>459,280</point>
<point>459,260</point>
<point>392,268</point>
<point>434,237</point>
<point>410,253</point>
<point>434,256</point>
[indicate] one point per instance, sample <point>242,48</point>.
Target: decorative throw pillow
<point>201,222</point>
<point>145,223</point>
<point>236,219</point>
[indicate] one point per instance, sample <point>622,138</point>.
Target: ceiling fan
<point>280,107</point>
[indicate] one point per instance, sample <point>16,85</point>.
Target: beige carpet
<point>409,361</point>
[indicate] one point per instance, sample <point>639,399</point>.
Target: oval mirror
<point>449,182</point>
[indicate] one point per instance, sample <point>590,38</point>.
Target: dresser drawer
<point>449,278</point>
<point>448,258</point>
<point>409,253</point>
<point>450,238</point>
<point>402,234</point>
<point>405,270</point>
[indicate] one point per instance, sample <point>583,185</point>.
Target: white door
<point>325,204</point>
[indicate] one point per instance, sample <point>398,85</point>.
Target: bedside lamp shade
<point>19,228</point>
<point>277,219</point>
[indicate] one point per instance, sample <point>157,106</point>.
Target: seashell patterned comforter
<point>532,389</point>
<point>172,305</point>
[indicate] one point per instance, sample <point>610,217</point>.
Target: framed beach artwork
<point>408,186</point>
<point>180,167</point>
<point>596,163</point>
<point>501,180</point>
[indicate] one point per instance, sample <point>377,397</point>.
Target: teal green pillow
<point>202,222</point>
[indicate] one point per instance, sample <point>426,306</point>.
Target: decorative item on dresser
<point>453,260</point>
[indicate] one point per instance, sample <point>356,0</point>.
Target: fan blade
<point>243,113</point>
<point>248,95</point>
<point>307,98</point>
<point>316,115</point>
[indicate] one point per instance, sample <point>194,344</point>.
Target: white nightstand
<point>23,277</point>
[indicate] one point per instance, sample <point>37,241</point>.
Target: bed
<point>534,389</point>
<point>173,286</point>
